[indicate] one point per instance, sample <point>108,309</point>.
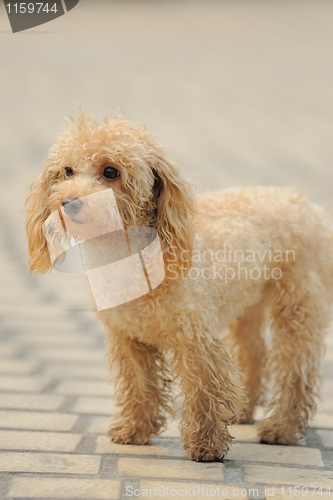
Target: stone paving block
<point>30,401</point>
<point>38,421</point>
<point>77,371</point>
<point>322,419</point>
<point>29,309</point>
<point>22,384</point>
<point>188,490</point>
<point>95,406</point>
<point>326,405</point>
<point>275,475</point>
<point>159,447</point>
<point>86,388</point>
<point>170,469</point>
<point>293,455</point>
<point>69,354</point>
<point>172,430</point>
<point>38,441</point>
<point>100,425</point>
<point>17,366</point>
<point>60,339</point>
<point>7,350</point>
<point>329,343</point>
<point>61,488</point>
<point>35,321</point>
<point>244,432</point>
<point>39,323</point>
<point>326,402</point>
<point>51,463</point>
<point>326,437</point>
<point>28,312</point>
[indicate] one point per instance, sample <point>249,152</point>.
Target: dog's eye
<point>111,173</point>
<point>68,172</point>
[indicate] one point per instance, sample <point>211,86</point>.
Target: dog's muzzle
<point>72,206</point>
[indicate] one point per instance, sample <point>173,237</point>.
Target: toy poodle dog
<point>239,259</point>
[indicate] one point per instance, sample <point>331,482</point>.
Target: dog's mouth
<point>77,221</point>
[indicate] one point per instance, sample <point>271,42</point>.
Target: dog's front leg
<point>213,394</point>
<point>142,389</point>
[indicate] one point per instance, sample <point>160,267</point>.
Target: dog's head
<point>89,157</point>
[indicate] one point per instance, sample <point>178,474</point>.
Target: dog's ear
<point>175,202</point>
<point>37,209</point>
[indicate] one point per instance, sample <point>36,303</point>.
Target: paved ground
<point>241,92</point>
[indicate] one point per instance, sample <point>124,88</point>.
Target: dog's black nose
<point>72,206</point>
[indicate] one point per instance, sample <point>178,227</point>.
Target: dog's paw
<point>278,433</point>
<point>206,455</point>
<point>205,452</point>
<point>122,434</point>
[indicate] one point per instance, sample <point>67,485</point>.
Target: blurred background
<point>239,91</point>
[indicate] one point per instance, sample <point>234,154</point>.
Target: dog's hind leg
<point>300,314</point>
<point>250,351</point>
<point>142,389</point>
